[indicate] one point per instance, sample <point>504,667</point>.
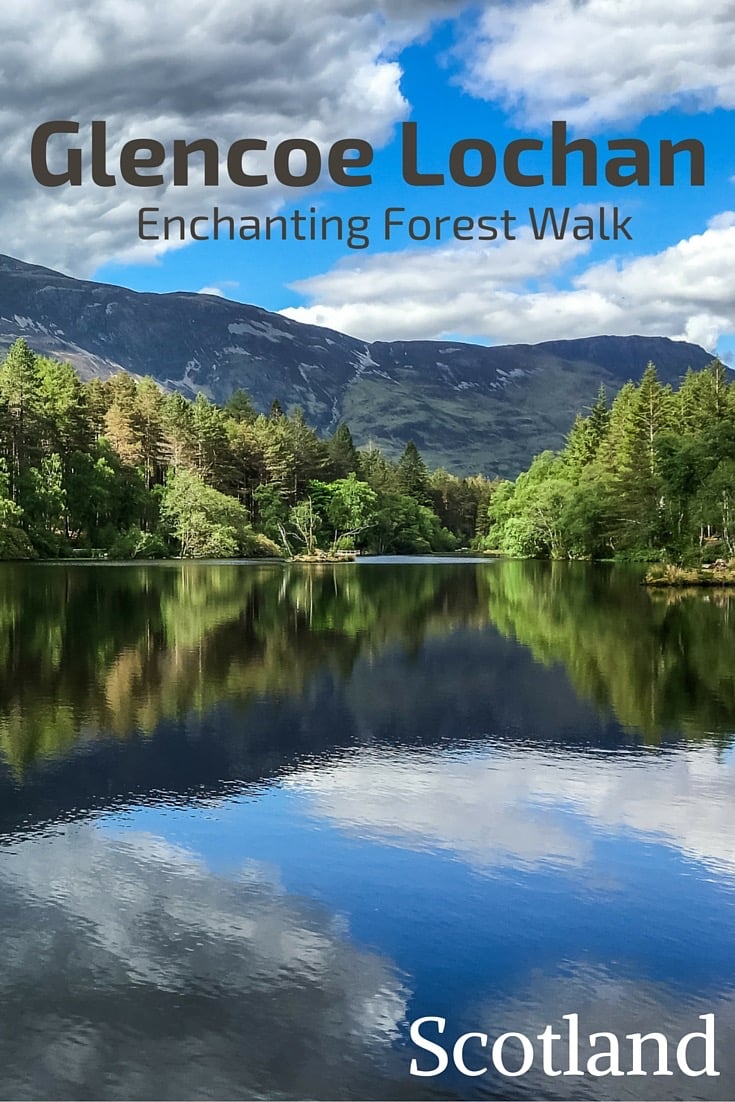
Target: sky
<point>335,69</point>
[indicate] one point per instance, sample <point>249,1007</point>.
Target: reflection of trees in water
<point>117,649</point>
<point>658,662</point>
<point>89,649</point>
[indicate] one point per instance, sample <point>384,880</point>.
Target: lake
<point>257,819</point>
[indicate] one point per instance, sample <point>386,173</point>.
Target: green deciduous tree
<point>347,507</point>
<point>14,542</point>
<point>204,522</point>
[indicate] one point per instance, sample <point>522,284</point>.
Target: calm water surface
<point>256,819</point>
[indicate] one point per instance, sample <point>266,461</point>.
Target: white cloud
<point>684,292</point>
<point>425,294</point>
<point>227,70</point>
<point>478,808</point>
<point>152,937</point>
<point>221,289</point>
<point>611,999</point>
<point>502,807</point>
<point>593,61</point>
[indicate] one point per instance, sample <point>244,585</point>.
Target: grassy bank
<point>718,574</point>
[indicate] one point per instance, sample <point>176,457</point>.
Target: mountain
<point>468,407</point>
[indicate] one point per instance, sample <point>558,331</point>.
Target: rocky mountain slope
<point>468,407</point>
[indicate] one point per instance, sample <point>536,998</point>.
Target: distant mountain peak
<point>468,407</point>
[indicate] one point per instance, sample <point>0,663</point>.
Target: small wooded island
<point>125,470</point>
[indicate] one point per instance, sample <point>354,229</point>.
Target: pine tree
<point>149,403</point>
<point>579,448</point>
<point>239,406</point>
<point>122,432</point>
<point>705,398</point>
<point>212,456</point>
<point>247,460</point>
<point>97,401</point>
<point>413,474</point>
<point>22,401</point>
<point>307,452</point>
<point>379,472</point>
<point>178,432</point>
<point>599,418</point>
<point>344,458</point>
<point>587,434</point>
<point>652,412</point>
<point>65,407</point>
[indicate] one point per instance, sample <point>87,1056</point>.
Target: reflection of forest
<point>91,649</point>
<point>659,662</point>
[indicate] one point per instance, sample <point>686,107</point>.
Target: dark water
<point>256,820</point>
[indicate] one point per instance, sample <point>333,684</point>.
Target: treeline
<point>651,476</point>
<point>123,467</point>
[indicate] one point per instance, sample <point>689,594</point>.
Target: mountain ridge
<point>468,407</point>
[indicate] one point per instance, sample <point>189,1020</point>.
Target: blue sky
<point>336,69</point>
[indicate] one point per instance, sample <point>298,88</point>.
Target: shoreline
<point>718,576</point>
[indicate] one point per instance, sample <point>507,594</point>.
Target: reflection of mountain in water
<point>209,675</point>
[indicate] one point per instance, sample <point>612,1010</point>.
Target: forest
<point>123,469</point>
<point>648,477</point>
